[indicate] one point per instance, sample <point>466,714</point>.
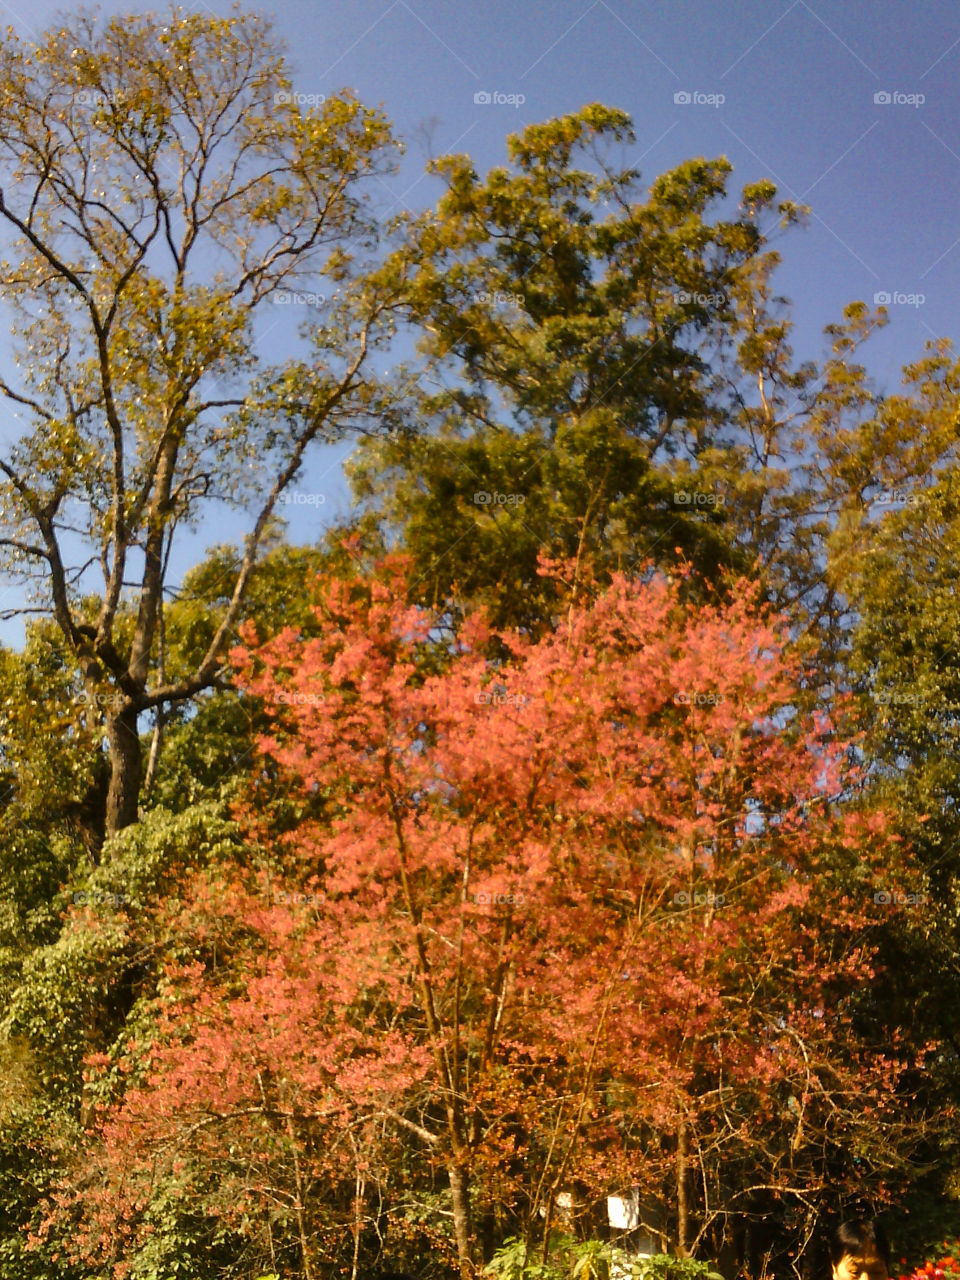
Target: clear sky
<point>787,89</point>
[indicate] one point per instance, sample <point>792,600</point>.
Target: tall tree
<point>163,192</point>
<point>583,912</point>
<point>898,564</point>
<point>606,370</point>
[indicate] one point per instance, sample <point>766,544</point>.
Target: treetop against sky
<point>847,107</point>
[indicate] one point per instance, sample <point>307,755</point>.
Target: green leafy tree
<point>904,661</point>
<point>893,556</point>
<point>162,194</point>
<point>605,373</point>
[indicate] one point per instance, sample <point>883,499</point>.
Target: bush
<point>569,1259</point>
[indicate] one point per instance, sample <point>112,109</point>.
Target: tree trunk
<point>126,770</point>
<point>299,1205</point>
<point>462,1226</point>
<point>153,760</point>
<point>683,1208</point>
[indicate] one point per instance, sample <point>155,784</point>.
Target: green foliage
<point>48,727</point>
<point>35,1143</point>
<point>662,1266</point>
<point>570,1259</point>
<point>618,382</point>
<point>516,1259</point>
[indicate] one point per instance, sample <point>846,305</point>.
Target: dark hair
<point>855,1235</point>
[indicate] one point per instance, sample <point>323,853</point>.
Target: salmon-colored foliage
<point>545,911</point>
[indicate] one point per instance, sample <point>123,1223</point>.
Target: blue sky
<point>799,81</point>
<point>799,84</point>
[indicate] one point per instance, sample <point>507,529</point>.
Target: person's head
<point>859,1251</point>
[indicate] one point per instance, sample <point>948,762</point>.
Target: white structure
<point>623,1211</point>
<point>623,1214</point>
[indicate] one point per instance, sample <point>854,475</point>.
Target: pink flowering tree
<point>580,911</point>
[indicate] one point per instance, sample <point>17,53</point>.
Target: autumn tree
<point>162,191</point>
<point>587,911</point>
